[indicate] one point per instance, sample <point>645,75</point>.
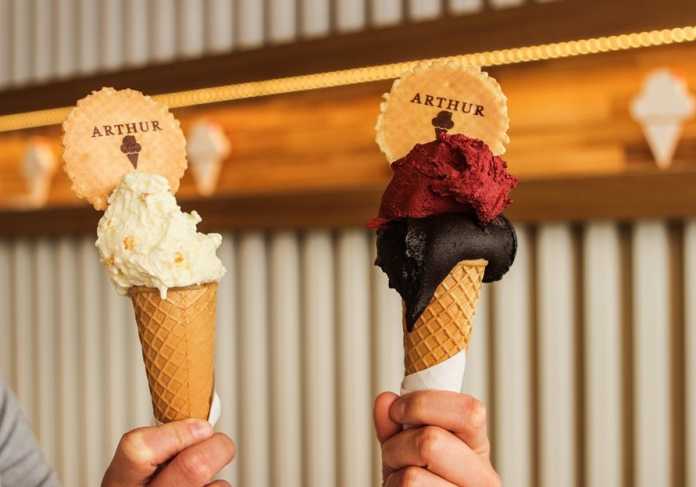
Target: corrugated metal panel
<point>305,319</point>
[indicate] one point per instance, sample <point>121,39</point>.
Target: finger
<point>460,413</point>
<point>385,427</point>
<point>198,464</point>
<point>415,476</point>
<point>140,451</point>
<point>440,452</point>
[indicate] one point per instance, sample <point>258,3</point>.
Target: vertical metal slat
<point>350,15</point>
<point>88,38</point>
<point>651,335</point>
<point>45,306</point>
<point>315,18</point>
<point>163,27</point>
<point>254,447</point>
<point>21,42</point>
<point>603,385</point>
<point>556,356</point>
<point>43,23</point>
<point>70,406</point>
<point>112,27</point>
<point>354,411</point>
<point>220,25</point>
<point>513,372</point>
<point>137,49</point>
<point>92,373</point>
<point>319,364</point>
<point>251,23</point>
<point>226,355</point>
<point>64,38</point>
<point>6,324</point>
<point>190,28</point>
<point>690,315</point>
<point>24,336</point>
<point>286,385</point>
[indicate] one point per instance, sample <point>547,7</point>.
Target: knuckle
<point>134,449</point>
<point>412,477</point>
<point>429,443</point>
<point>415,406</point>
<point>195,467</point>
<point>475,411</point>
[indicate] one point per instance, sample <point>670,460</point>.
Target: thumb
<point>384,426</point>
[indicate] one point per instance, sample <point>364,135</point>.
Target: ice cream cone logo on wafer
<point>442,122</point>
<point>131,148</point>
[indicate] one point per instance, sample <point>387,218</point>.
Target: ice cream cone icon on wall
<point>39,165</point>
<point>661,109</point>
<point>207,147</point>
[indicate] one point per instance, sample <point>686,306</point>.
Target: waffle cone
<point>444,327</point>
<point>177,335</point>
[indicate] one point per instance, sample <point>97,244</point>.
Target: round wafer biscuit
<point>412,112</point>
<point>112,132</point>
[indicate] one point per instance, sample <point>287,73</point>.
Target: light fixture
<point>239,91</point>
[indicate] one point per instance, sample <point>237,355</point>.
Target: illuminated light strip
<point>292,84</point>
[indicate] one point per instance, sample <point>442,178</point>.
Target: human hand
<point>184,453</point>
<point>446,444</point>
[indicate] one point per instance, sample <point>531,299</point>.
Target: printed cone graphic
<point>178,339</point>
<point>662,137</point>
<point>444,327</point>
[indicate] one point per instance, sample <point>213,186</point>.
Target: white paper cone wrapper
<point>445,376</point>
<point>213,416</point>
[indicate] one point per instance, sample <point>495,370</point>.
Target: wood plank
<point>655,195</point>
<point>651,365</point>
<point>533,24</point>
